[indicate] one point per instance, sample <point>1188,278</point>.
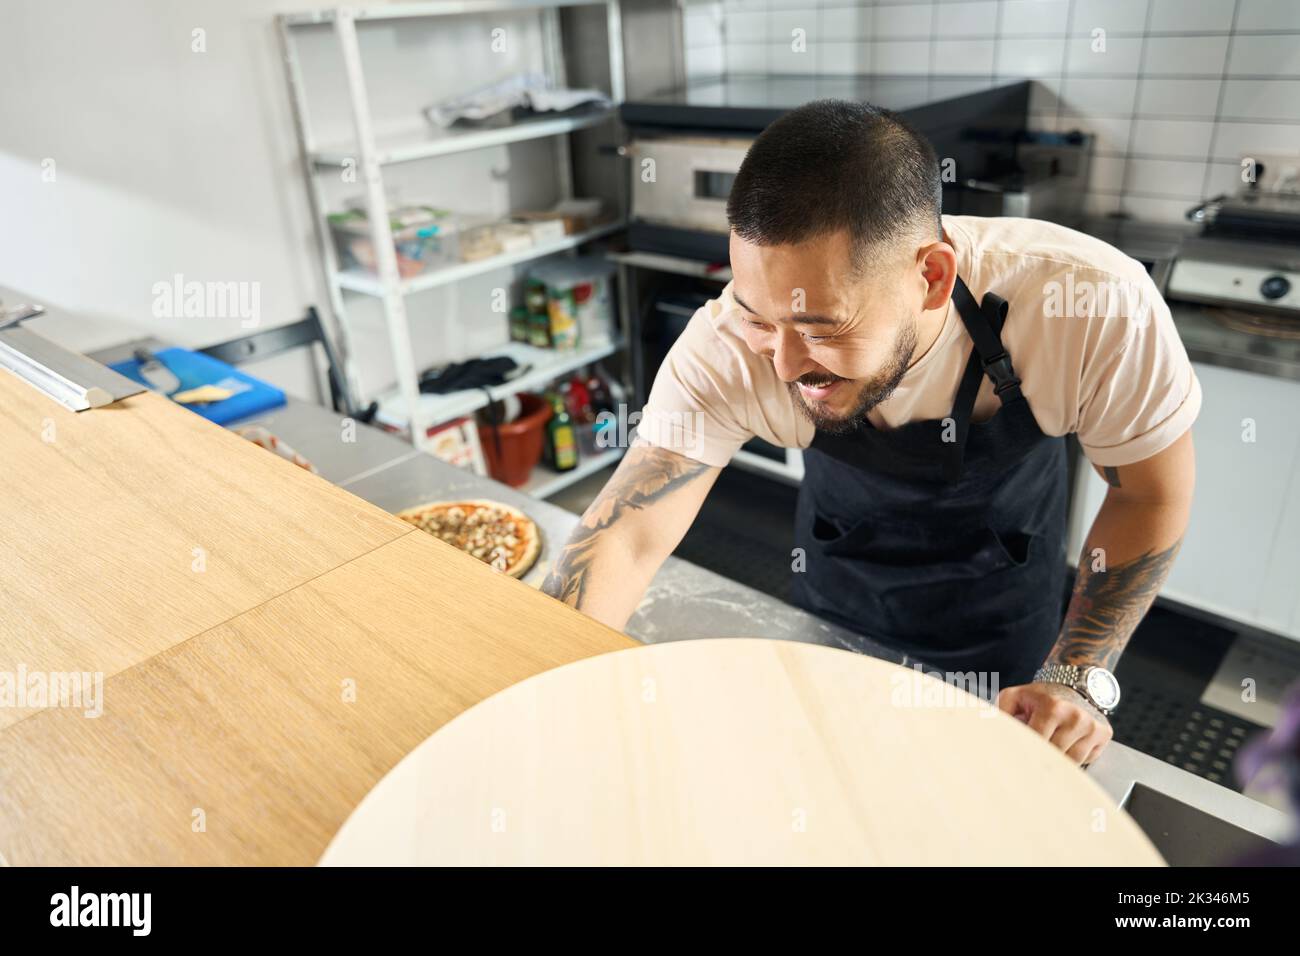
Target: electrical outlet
<point>1276,172</point>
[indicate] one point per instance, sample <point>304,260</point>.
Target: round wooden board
<point>742,752</point>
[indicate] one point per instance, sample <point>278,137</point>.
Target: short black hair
<point>834,164</point>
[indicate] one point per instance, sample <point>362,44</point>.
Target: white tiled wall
<point>1181,91</point>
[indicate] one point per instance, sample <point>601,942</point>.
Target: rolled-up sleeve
<point>1140,391</point>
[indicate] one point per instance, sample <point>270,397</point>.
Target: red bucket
<point>521,441</point>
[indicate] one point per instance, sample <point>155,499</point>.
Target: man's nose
<point>789,356</point>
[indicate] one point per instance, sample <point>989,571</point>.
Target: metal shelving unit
<point>371,155</point>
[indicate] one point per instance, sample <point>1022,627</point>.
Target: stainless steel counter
<point>1213,343</point>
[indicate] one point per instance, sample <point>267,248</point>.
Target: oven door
<point>684,181</point>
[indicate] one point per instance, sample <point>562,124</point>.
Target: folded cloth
<point>521,91</point>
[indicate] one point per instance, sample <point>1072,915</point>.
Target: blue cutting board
<point>251,396</point>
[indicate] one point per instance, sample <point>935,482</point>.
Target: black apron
<point>944,540</point>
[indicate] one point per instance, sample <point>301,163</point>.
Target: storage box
<point>479,242</point>
<point>573,215</point>
<point>486,239</point>
<point>423,237</point>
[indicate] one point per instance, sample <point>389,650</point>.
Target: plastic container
<point>479,241</point>
<point>579,300</point>
<point>569,216</point>
<point>482,239</point>
<point>423,238</point>
<point>521,441</point>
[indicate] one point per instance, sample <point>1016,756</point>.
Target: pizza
<point>500,536</point>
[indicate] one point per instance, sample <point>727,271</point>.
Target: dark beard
<point>870,395</point>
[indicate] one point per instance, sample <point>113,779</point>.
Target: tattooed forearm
<point>1106,607</point>
<point>645,476</point>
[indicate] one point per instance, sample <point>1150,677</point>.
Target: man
<point>929,366</point>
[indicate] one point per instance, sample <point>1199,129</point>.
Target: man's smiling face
<point>839,340</point>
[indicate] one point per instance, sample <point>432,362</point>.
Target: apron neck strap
<point>984,323</point>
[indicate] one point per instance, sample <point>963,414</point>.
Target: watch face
<point>1103,688</point>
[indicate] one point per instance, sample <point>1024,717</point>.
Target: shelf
<point>367,283</point>
<point>546,365</point>
<point>438,8</point>
<point>674,264</point>
<point>435,142</point>
<point>543,482</point>
<point>408,140</point>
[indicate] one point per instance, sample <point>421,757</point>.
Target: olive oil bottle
<point>561,439</point>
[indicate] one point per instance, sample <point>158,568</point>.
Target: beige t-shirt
<point>1089,335</point>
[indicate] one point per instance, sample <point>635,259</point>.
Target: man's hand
<point>1062,715</point>
<point>1126,559</point>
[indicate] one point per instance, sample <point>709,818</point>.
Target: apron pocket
<point>903,553</point>
<point>824,530</point>
<point>926,585</point>
<point>982,563</point>
<point>1014,597</point>
<point>1015,546</point>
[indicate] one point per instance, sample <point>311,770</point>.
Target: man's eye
<point>817,338</point>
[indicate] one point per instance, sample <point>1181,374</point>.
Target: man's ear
<point>937,263</point>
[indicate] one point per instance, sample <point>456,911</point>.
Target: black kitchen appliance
<point>696,136</point>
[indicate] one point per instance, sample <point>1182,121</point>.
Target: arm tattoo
<point>644,477</point>
<point>1106,607</point>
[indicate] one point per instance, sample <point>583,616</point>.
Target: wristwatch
<point>1098,685</point>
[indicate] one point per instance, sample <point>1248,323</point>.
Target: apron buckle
<point>999,369</point>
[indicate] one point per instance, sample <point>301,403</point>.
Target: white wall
<point>168,160</point>
<point>1183,89</point>
<point>165,161</point>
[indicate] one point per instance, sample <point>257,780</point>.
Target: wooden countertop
<point>270,645</point>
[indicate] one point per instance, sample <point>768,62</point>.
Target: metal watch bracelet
<point>1071,675</point>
